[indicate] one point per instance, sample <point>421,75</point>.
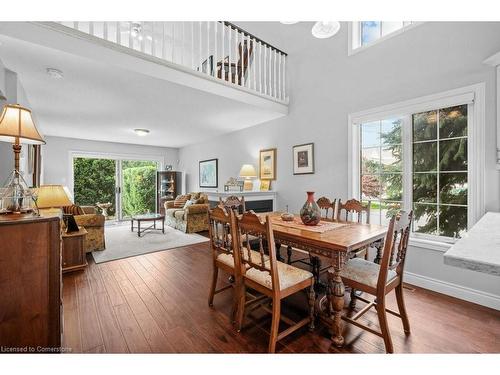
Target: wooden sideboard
<point>258,201</point>
<point>30,284</point>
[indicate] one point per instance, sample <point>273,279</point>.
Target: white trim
<point>353,33</point>
<point>468,294</point>
<point>474,96</point>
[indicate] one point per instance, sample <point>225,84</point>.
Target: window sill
<point>430,244</point>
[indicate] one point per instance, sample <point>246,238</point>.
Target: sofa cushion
<point>180,200</point>
<point>171,211</point>
<point>179,214</point>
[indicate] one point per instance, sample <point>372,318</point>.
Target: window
<point>428,158</point>
<point>366,33</point>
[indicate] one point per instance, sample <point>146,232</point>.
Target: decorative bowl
<point>287,216</point>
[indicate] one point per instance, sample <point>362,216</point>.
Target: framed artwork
<point>265,185</point>
<point>208,173</point>
<point>303,159</point>
<point>267,164</point>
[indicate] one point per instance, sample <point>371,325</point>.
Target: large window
<point>429,161</point>
<point>366,33</point>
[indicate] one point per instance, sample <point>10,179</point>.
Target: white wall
<point>56,160</point>
<point>326,85</point>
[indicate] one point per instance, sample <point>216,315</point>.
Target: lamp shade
<point>49,196</point>
<point>16,122</point>
<point>248,170</point>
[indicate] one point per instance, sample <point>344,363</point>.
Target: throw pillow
<point>180,201</point>
<point>189,203</point>
<point>73,210</point>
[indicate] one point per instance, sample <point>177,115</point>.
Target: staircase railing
<point>218,49</point>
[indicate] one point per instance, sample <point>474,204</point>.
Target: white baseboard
<point>454,290</point>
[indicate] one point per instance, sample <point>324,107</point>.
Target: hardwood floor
<point>158,303</point>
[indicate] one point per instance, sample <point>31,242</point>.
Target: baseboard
<point>454,290</point>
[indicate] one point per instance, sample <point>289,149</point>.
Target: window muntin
<point>436,168</point>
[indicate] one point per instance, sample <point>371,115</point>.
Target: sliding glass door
<point>129,186</point>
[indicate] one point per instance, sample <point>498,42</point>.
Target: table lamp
<point>51,198</point>
<point>16,127</point>
<point>248,172</point>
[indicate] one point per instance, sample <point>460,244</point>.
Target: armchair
<point>93,222</point>
<point>191,219</point>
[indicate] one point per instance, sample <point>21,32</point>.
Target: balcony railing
<point>217,49</point>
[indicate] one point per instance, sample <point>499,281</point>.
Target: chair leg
<point>352,304</point>
<point>402,308</point>
<point>312,301</point>
<point>240,309</point>
<point>289,254</point>
<point>215,275</point>
<point>275,325</point>
<point>384,326</point>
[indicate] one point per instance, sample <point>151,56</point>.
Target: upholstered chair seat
<point>229,259</point>
<point>364,272</point>
<point>288,276</point>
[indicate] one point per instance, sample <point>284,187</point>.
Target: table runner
<point>322,227</point>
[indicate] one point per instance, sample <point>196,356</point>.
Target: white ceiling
<point>98,101</point>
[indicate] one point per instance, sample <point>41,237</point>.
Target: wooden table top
<point>347,238</point>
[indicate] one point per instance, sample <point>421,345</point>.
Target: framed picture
<point>303,159</point>
<point>267,164</point>
<point>265,185</point>
<point>208,173</point>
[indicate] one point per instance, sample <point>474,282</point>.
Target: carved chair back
<point>221,226</point>
<point>396,244</point>
<point>233,203</point>
<point>353,210</point>
<point>327,208</point>
<point>249,224</point>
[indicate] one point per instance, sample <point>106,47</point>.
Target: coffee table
<point>147,217</point>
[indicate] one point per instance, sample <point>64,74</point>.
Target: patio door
<point>128,185</point>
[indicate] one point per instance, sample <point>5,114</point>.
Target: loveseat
<point>191,218</point>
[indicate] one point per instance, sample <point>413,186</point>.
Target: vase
<point>310,213</point>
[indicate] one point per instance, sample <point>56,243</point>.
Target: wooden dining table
<point>335,245</point>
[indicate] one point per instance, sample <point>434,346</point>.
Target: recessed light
<point>55,73</point>
<point>325,29</point>
<point>141,132</point>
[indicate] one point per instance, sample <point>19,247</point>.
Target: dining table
<point>333,240</point>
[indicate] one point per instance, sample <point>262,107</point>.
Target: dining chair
<point>379,280</point>
<point>220,224</point>
<point>354,210</point>
<point>268,276</point>
<point>234,203</point>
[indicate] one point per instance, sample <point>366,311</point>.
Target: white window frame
<point>354,45</point>
<point>474,96</point>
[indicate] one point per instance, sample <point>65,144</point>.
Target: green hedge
<point>139,190</point>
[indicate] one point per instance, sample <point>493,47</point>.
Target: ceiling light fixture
<point>141,132</point>
<point>55,73</point>
<point>325,29</point>
<point>288,22</point>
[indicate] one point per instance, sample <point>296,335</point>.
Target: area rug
<point>122,243</point>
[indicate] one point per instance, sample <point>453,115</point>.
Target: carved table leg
<point>337,289</point>
<point>289,254</point>
<point>379,246</point>
<point>278,253</point>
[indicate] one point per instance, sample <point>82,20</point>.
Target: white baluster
<point>173,42</point>
<point>270,71</point>
<point>164,41</point>
<point>284,77</point>
<point>130,39</point>
<point>260,66</point>
<point>254,53</point>
<point>200,59</point>
<point>275,92</point>
<point>223,68</point>
<point>91,28</point>
<point>248,63</point>
<point>143,40</point>
<point>214,60</point>
<point>182,44</point>
<point>192,45</point>
<point>230,79</point>
<point>118,34</point>
<point>105,30</point>
<point>279,75</point>
<point>265,69</point>
<point>208,48</point>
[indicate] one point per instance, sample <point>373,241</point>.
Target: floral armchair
<point>93,222</point>
<point>189,219</point>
